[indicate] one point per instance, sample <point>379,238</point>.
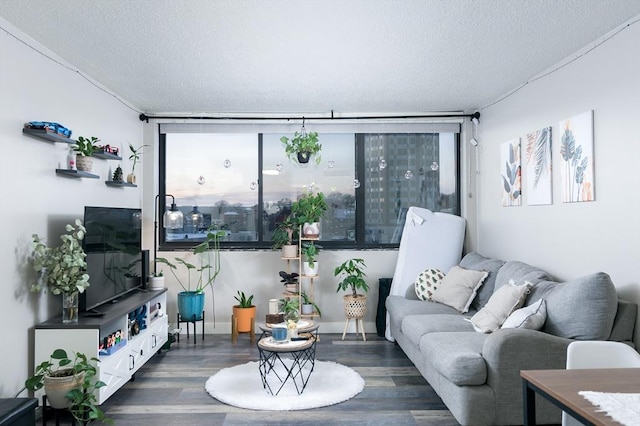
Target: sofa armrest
<point>507,351</point>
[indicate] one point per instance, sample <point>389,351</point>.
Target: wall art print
<point>538,167</point>
<point>576,152</point>
<point>511,173</point>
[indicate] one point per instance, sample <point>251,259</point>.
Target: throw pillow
<point>501,304</point>
<point>531,317</point>
<point>458,288</point>
<point>427,282</point>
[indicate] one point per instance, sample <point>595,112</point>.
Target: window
<point>243,184</point>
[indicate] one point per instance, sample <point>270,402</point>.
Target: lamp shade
<point>173,218</point>
<point>196,217</point>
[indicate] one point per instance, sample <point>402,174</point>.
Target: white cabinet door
<point>114,371</point>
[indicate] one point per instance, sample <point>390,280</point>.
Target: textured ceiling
<point>196,56</point>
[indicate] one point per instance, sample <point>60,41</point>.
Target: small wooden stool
<point>235,332</point>
<point>359,328</point>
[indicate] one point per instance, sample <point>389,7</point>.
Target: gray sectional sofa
<point>477,375</point>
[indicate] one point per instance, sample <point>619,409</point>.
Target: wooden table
<point>561,387</point>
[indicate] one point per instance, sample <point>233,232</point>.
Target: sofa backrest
<point>583,309</point>
<point>477,262</point>
<point>520,272</point>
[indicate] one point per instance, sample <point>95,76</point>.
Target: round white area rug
<point>241,386</point>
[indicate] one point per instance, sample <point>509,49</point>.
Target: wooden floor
<point>169,389</point>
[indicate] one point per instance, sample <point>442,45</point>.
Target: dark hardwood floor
<point>169,389</point>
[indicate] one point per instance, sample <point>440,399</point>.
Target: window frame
<point>360,224</point>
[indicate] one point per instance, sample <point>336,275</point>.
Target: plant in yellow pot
<point>244,312</point>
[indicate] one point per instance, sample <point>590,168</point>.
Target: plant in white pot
<point>351,273</point>
<point>191,300</point>
<point>309,307</point>
<point>310,252</point>
<point>84,150</point>
<point>308,210</point>
<point>156,280</point>
<point>62,269</point>
<point>69,383</point>
<point>283,237</point>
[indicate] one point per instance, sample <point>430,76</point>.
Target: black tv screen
<point>113,244</point>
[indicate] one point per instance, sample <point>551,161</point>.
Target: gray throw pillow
<point>458,288</point>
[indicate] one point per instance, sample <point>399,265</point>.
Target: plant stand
<point>235,332</point>
<point>359,328</point>
<point>58,414</point>
<point>191,321</point>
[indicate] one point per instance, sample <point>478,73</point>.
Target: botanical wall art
<point>538,167</point>
<point>576,151</point>
<point>510,165</point>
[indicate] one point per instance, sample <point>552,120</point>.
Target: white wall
<point>571,240</point>
<point>33,198</point>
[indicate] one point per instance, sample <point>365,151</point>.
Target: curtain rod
<point>475,115</point>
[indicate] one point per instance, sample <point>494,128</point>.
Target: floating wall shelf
<point>48,136</point>
<point>76,174</point>
<point>119,184</point>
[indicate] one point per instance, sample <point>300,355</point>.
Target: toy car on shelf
<point>56,128</point>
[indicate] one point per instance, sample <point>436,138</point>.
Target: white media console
<point>147,308</point>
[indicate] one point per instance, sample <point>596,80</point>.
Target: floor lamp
<point>172,219</point>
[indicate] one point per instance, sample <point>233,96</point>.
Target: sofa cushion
<point>427,282</point>
<point>520,272</point>
<point>459,287</point>
<point>582,309</point>
<point>457,356</point>
<point>415,326</point>
<point>504,301</point>
<point>477,262</point>
<point>531,317</point>
<point>399,307</point>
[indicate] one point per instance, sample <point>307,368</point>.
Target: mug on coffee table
<point>279,334</point>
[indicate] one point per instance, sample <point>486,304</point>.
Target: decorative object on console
<point>84,149</point>
<point>302,146</point>
<point>459,287</point>
<point>62,268</point>
<point>427,282</point>
<point>134,157</point>
<point>69,384</point>
<point>351,272</point>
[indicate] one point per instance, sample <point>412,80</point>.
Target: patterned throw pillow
<point>427,282</point>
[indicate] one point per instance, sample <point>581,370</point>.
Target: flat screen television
<point>115,260</point>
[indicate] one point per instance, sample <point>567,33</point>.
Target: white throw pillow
<point>427,282</point>
<point>459,287</point>
<point>501,304</point>
<point>531,317</point>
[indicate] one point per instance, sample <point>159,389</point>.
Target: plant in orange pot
<point>244,312</point>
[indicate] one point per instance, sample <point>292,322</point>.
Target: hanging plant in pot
<point>191,300</point>
<point>302,146</point>
<point>62,269</point>
<point>244,312</point>
<point>283,237</point>
<point>351,272</point>
<point>309,255</point>
<point>308,210</point>
<point>84,150</point>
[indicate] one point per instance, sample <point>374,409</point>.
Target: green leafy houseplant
<point>351,272</point>
<point>284,233</point>
<point>83,400</point>
<point>62,269</point>
<point>306,300</point>
<point>135,156</point>
<point>302,146</point>
<point>243,300</point>
<point>310,252</point>
<point>202,276</point>
<point>289,307</point>
<point>85,147</point>
<point>309,207</point>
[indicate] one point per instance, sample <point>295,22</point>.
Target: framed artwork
<point>576,151</point>
<point>511,173</point>
<point>538,167</point>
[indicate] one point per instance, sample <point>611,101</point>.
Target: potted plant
<point>84,150</point>
<point>191,299</point>
<point>156,280</point>
<point>308,210</point>
<point>289,307</point>
<point>302,146</point>
<point>283,237</point>
<point>309,254</point>
<point>244,312</point>
<point>290,281</point>
<point>63,269</point>
<point>69,384</point>
<point>351,272</point>
<point>309,306</point>
<point>134,157</point>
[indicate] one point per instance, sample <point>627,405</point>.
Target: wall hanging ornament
<point>302,146</point>
<point>382,164</point>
